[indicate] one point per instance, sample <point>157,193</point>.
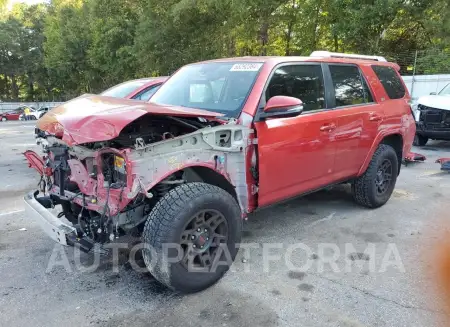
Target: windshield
<point>222,87</point>
<point>445,90</point>
<point>124,89</point>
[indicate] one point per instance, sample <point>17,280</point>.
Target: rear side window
<point>390,81</point>
<point>304,82</point>
<point>350,88</point>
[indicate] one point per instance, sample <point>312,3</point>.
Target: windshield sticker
<point>250,67</point>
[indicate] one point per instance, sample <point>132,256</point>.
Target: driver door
<point>296,154</point>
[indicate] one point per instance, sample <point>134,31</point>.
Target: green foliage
<point>59,50</point>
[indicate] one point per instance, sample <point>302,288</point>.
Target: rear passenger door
<point>358,118</point>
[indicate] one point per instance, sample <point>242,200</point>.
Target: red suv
<point>220,139</point>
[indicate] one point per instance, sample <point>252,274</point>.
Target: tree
<point>113,28</point>
<point>69,47</point>
<point>68,39</point>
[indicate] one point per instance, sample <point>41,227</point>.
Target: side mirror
<point>282,106</point>
<point>433,93</point>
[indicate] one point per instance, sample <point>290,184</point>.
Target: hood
<point>435,101</point>
<point>94,118</point>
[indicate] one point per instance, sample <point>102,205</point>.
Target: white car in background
<point>433,117</point>
<point>35,114</point>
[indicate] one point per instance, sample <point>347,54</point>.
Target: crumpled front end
<point>106,189</point>
<point>90,187</point>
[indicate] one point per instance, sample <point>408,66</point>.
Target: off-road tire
<point>420,140</point>
<point>364,188</point>
<point>167,221</point>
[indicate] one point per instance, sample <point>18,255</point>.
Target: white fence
<point>7,106</point>
<point>420,85</point>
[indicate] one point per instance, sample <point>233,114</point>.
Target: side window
<point>147,94</point>
<point>350,88</point>
<point>390,81</point>
<point>304,82</point>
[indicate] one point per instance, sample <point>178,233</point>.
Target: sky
<point>29,2</point>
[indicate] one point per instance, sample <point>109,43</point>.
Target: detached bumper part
<point>445,163</point>
<point>52,225</point>
<point>412,156</point>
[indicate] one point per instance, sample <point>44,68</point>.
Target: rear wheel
<point>420,140</point>
<point>374,188</point>
<point>192,236</point>
<point>4,119</point>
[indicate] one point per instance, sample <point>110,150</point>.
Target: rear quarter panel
<point>398,118</point>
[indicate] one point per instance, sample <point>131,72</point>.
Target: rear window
<point>390,81</point>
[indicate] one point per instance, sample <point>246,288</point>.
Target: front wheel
<point>191,236</point>
<point>4,119</point>
<point>374,188</point>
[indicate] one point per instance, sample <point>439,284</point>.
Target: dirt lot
<point>360,289</point>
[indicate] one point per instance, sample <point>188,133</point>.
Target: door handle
<point>327,127</point>
<point>375,117</point>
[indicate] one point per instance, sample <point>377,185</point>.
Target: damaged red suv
<point>220,139</point>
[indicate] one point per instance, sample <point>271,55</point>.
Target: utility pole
<point>414,74</point>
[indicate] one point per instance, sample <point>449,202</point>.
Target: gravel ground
<point>391,284</point>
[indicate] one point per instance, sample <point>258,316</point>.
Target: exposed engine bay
<point>106,189</point>
<point>150,129</point>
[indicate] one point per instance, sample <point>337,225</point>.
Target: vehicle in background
<point>42,111</point>
<point>433,117</point>
<point>138,89</point>
<point>34,114</point>
<point>219,140</point>
<point>12,115</point>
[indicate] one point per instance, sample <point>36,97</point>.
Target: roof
<point>274,60</point>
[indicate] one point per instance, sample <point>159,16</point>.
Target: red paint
<point>281,101</point>
<point>412,156</point>
<point>91,118</point>
<point>37,162</point>
<point>292,155</point>
<point>444,163</point>
<point>80,176</point>
<point>442,160</point>
<point>11,115</point>
<point>316,149</point>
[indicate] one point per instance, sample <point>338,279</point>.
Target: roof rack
<point>345,55</point>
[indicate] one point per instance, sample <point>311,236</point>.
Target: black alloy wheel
<point>202,237</point>
<point>384,177</point>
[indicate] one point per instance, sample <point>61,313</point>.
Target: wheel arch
<point>213,177</point>
<point>203,173</point>
<point>394,139</point>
